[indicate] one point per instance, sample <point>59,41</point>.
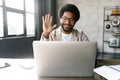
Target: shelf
<point>111,33</point>
<point>106,20</point>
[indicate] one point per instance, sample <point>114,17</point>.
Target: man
<point>69,15</point>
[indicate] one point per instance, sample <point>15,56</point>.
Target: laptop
<point>64,59</point>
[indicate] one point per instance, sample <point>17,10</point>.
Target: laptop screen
<point>64,59</point>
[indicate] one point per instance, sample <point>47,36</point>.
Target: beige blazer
<point>56,35</point>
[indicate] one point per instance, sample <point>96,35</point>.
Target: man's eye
<point>72,20</point>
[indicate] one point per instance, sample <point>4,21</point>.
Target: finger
<point>55,26</point>
<point>50,19</point>
<point>46,17</point>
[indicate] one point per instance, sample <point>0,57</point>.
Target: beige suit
<point>56,35</point>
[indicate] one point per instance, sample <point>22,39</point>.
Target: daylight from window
<point>17,4</point>
<point>15,23</point>
<point>0,2</point>
<point>30,6</point>
<point>30,23</point>
<point>17,17</point>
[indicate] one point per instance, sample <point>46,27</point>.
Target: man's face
<point>67,22</point>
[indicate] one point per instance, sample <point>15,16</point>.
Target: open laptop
<point>64,59</point>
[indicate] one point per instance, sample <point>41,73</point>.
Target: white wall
<point>91,20</point>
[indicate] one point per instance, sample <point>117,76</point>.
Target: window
<point>0,2</point>
<point>17,18</point>
<point>1,23</point>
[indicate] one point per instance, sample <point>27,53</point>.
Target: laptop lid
<point>64,59</point>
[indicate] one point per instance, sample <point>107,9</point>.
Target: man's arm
<point>43,38</point>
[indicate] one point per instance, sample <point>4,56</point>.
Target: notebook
<point>64,59</point>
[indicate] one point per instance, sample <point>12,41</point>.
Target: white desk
<point>23,69</point>
<point>19,69</point>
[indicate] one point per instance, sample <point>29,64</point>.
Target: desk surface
<point>23,69</point>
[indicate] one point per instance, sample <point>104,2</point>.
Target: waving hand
<point>47,25</point>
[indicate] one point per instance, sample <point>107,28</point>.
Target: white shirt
<point>66,37</point>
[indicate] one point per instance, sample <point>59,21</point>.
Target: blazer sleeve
<point>43,38</point>
<point>83,36</point>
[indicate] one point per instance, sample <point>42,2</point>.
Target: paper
<point>116,67</point>
<point>108,72</point>
<point>26,64</point>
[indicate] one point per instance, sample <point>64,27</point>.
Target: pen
<point>6,65</point>
<point>114,68</point>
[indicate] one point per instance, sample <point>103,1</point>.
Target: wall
<point>91,20</point>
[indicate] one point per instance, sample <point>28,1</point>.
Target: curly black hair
<point>71,8</point>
